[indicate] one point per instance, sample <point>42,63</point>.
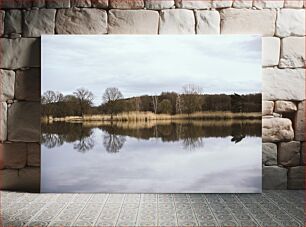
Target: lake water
<point>152,157</point>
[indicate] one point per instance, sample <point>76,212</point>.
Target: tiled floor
<point>271,208</point>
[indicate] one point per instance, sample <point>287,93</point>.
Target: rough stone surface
<point>159,4</point>
<point>39,3</point>
<point>208,22</point>
<point>248,21</point>
<point>178,21</point>
<point>242,4</point>
<point>261,4</point>
<point>221,3</point>
<point>56,4</point>
<point>80,3</point>
<point>283,84</point>
<point>285,106</point>
<point>191,4</point>
<point>277,129</point>
<point>274,177</point>
<point>27,85</point>
<point>296,177</point>
<point>269,154</point>
<point>20,53</point>
<point>303,160</point>
<point>24,122</point>
<point>7,80</point>
<point>293,52</point>
<point>33,154</point>
<point>270,51</point>
<point>39,22</point>
<point>81,21</point>
<point>13,155</point>
<point>126,4</point>
<point>267,107</point>
<point>15,4</point>
<point>2,15</point>
<point>103,4</point>
<point>293,4</point>
<point>3,121</point>
<point>13,21</point>
<point>290,22</point>
<point>299,122</point>
<point>289,153</point>
<point>133,22</point>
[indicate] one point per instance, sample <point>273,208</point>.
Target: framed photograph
<point>151,114</point>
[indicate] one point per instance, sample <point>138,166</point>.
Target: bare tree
<point>155,103</point>
<point>192,89</point>
<point>110,96</point>
<point>191,98</point>
<point>85,98</point>
<point>179,104</point>
<point>137,103</point>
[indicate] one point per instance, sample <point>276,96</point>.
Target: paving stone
<point>55,4</point>
<point>221,3</point>
<point>159,4</point>
<point>133,22</point>
<point>269,154</point>
<point>248,21</point>
<point>33,158</point>
<point>3,121</point>
<point>267,107</point>
<point>191,4</point>
<point>296,178</point>
<point>242,4</point>
<point>13,21</point>
<point>81,21</point>
<point>299,122</point>
<point>290,22</point>
<point>103,4</point>
<point>7,81</point>
<point>293,52</point>
<point>20,53</point>
<point>207,22</point>
<point>283,84</point>
<point>126,4</point>
<point>285,106</point>
<point>80,3</point>
<point>38,22</point>
<point>277,129</point>
<point>13,155</point>
<point>289,153</point>
<point>178,21</point>
<point>293,4</point>
<point>262,4</point>
<point>270,51</point>
<point>274,177</point>
<point>27,85</point>
<point>24,122</point>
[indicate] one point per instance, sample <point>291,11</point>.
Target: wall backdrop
<point>280,22</point>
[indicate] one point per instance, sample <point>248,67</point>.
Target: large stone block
<point>191,4</point>
<point>33,158</point>
<point>133,22</point>
<point>56,4</point>
<point>24,122</point>
<point>269,154</point>
<point>277,129</point>
<point>293,52</point>
<point>262,4</point>
<point>274,177</point>
<point>296,176</point>
<point>178,21</point>
<point>2,15</point>
<point>7,81</point>
<point>242,4</point>
<point>27,85</point>
<point>285,107</point>
<point>267,107</point>
<point>299,122</point>
<point>303,160</point>
<point>39,3</point>
<point>80,3</point>
<point>208,22</point>
<point>20,53</point>
<point>126,4</point>
<point>159,4</point>
<point>13,21</point>
<point>38,22</point>
<point>283,84</point>
<point>103,4</point>
<point>13,155</point>
<point>81,21</point>
<point>25,180</point>
<point>3,121</point>
<point>289,153</point>
<point>293,4</point>
<point>248,21</point>
<point>15,4</point>
<point>290,22</point>
<point>222,3</point>
<point>270,51</point>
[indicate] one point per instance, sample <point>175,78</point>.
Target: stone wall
<point>280,22</point>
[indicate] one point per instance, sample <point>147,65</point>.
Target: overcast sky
<point>139,64</point>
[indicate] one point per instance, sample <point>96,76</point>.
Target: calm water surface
<point>183,156</point>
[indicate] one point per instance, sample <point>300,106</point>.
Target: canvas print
<point>151,114</point>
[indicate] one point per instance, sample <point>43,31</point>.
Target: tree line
<point>190,100</point>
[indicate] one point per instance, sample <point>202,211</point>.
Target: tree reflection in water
<point>84,144</point>
<point>113,143</point>
<point>52,140</point>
